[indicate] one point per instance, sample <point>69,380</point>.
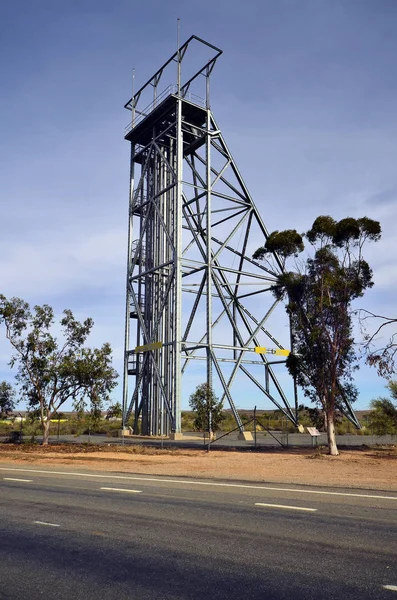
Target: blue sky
<point>305,94</point>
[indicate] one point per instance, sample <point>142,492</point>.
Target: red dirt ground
<point>367,469</point>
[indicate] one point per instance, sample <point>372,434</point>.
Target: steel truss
<point>191,281</point>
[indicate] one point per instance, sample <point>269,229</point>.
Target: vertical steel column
<point>208,242</point>
<point>128,295</point>
<point>176,426</point>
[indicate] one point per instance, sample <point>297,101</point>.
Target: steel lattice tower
<point>194,293</point>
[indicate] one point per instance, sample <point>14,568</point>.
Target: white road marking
<point>204,483</point>
<point>48,524</point>
<point>392,588</point>
<point>285,506</point>
<point>14,479</point>
<point>121,490</point>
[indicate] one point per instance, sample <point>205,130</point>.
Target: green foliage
<point>207,407</point>
<point>187,420</point>
<point>7,399</point>
<point>383,417</point>
<point>319,297</point>
<point>346,231</point>
<point>228,422</point>
<point>114,411</point>
<point>323,229</point>
<point>52,372</point>
<point>94,417</point>
<point>392,385</point>
<point>285,243</point>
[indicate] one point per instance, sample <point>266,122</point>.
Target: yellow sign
<point>276,351</point>
<point>147,347</point>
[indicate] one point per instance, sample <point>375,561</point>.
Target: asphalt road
<point>83,535</point>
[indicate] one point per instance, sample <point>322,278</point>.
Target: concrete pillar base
<point>245,435</point>
<point>176,436</point>
<point>124,432</point>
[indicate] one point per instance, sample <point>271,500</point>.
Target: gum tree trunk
<point>332,447</point>
<point>46,431</point>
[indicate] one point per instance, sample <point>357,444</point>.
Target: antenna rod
<point>178,25</point>
<point>133,99</point>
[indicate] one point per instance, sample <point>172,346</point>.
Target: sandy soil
<point>366,469</point>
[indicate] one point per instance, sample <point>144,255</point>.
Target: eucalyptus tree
<point>208,408</point>
<point>319,289</point>
<point>7,399</point>
<point>52,371</point>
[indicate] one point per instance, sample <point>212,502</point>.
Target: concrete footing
<point>124,432</point>
<point>176,436</point>
<point>245,435</point>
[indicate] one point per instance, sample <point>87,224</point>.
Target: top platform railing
<point>170,90</point>
<point>183,88</point>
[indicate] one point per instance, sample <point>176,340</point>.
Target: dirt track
<point>370,468</point>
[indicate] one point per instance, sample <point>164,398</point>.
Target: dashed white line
<point>392,588</point>
<point>45,523</point>
<point>204,483</point>
<point>121,490</point>
<point>284,506</point>
<point>15,479</point>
